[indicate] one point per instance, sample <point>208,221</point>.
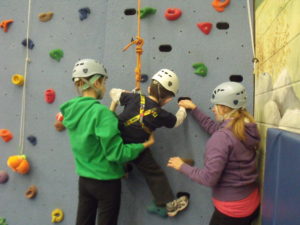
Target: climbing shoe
<point>161,211</point>
<point>177,205</point>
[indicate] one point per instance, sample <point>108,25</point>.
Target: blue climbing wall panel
<point>281,187</point>
<point>102,35</point>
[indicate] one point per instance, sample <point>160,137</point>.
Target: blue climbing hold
<point>32,139</point>
<point>144,78</point>
<point>84,13</point>
<point>30,43</point>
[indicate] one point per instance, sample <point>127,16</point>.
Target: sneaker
<point>161,211</point>
<point>177,205</point>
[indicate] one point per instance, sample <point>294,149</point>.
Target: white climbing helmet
<point>231,94</point>
<point>168,79</point>
<point>88,67</point>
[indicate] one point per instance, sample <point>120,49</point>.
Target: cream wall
<point>277,77</point>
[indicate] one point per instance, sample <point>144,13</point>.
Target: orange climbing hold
<point>18,163</point>
<point>5,24</point>
<point>220,5</point>
<point>6,135</point>
<point>205,27</point>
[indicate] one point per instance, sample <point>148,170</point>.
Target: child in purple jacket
<point>229,158</point>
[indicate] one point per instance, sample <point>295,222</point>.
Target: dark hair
<point>158,91</point>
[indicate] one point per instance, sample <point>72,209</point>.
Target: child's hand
<point>187,104</point>
<point>150,141</point>
<point>175,163</point>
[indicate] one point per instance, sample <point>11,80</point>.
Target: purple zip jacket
<point>229,164</point>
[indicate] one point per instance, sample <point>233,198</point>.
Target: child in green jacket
<point>97,146</point>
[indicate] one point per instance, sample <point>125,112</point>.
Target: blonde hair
<point>239,118</point>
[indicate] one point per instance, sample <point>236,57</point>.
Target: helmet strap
<point>90,84</point>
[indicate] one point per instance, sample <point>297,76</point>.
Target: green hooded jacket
<point>95,139</point>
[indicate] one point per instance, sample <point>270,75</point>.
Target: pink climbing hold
<point>49,96</point>
<point>172,13</point>
<point>205,27</point>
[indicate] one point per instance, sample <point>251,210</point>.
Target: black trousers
<point>219,218</point>
<point>155,178</point>
<point>98,198</point>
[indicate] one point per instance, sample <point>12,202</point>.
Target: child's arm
<point>115,95</point>
<point>209,125</point>
<point>112,143</point>
<point>180,116</point>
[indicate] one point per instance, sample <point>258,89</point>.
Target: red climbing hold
<point>5,24</point>
<point>6,135</point>
<point>49,95</point>
<point>205,27</point>
<point>172,13</point>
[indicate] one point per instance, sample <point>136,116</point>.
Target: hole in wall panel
<point>130,12</point>
<point>236,78</point>
<point>222,25</point>
<point>165,48</point>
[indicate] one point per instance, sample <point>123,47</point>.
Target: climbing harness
<point>140,117</point>
<point>139,42</point>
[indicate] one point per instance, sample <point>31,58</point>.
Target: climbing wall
<point>100,32</point>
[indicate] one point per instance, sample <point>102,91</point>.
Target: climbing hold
<point>172,13</point>
<point>220,5</point>
<point>56,54</point>
<point>84,13</point>
<point>32,139</point>
<point>200,69</point>
<point>30,43</point>
<point>190,162</point>
<point>3,176</point>
<point>5,24</point>
<point>183,98</point>
<point>144,78</point>
<point>59,116</point>
<point>147,11</point>
<point>46,16</point>
<point>205,27</point>
<point>6,135</point>
<point>49,96</point>
<point>3,221</point>
<point>18,163</point>
<point>31,192</point>
<point>182,193</point>
<point>17,79</point>
<point>57,215</point>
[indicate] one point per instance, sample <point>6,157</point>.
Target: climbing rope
<point>255,60</point>
<point>139,50</point>
<point>22,116</point>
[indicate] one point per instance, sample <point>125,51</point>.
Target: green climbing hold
<point>3,221</point>
<point>147,11</point>
<point>200,69</point>
<point>56,54</point>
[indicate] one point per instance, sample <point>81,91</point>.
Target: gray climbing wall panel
<point>102,36</point>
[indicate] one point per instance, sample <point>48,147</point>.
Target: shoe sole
<point>172,214</point>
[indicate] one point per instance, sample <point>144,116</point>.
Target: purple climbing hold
<point>30,43</point>
<point>84,13</point>
<point>3,176</point>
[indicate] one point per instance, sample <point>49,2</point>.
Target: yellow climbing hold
<point>57,216</point>
<point>17,79</point>
<point>46,16</point>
